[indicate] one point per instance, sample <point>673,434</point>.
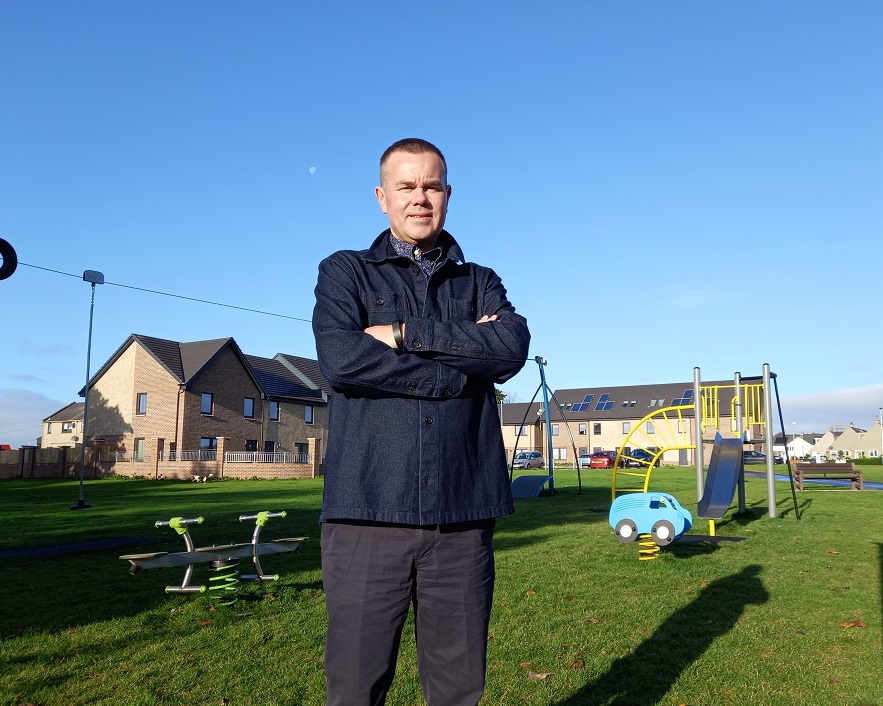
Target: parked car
<point>584,460</point>
<point>753,458</point>
<point>528,459</point>
<point>658,514</point>
<point>778,458</point>
<point>640,458</point>
<point>602,459</point>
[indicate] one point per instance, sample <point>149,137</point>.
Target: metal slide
<point>724,471</point>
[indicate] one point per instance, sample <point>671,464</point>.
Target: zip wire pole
<point>93,278</point>
<point>550,463</point>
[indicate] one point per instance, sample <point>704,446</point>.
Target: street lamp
<point>793,439</point>
<point>93,278</point>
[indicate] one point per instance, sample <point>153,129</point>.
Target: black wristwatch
<point>397,335</point>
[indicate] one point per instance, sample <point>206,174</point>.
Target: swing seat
<point>529,486</point>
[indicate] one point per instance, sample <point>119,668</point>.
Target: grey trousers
<point>372,574</point>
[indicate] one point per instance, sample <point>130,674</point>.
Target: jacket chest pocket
<point>384,307</point>
<point>460,309</point>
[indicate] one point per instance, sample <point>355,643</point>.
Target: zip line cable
<point>177,296</point>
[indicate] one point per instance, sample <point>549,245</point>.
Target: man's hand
<point>384,334</point>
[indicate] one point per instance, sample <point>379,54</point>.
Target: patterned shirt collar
<point>427,261</point>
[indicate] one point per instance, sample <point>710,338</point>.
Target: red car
<point>602,459</point>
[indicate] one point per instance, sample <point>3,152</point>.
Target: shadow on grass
<point>646,675</point>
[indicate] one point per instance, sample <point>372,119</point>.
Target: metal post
<point>93,278</point>
<point>550,464</point>
<point>697,433</point>
<point>768,440</point>
<point>740,429</point>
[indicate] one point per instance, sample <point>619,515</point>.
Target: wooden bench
<point>834,471</point>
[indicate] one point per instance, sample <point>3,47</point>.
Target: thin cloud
<point>817,412</point>
<point>51,350</point>
<point>22,413</point>
<point>24,377</point>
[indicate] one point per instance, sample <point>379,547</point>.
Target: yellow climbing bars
<point>670,428</point>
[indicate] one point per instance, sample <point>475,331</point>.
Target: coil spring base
<point>647,548</point>
<point>224,587</point>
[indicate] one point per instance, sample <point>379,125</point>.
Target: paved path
<point>72,547</point>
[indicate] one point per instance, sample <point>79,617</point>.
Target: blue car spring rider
<point>653,515</point>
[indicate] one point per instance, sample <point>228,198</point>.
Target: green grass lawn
<point>790,615</point>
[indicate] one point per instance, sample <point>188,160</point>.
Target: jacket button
<point>417,344</point>
<point>412,388</point>
<point>429,420</point>
<point>455,348</point>
<point>415,271</point>
<point>449,392</point>
<point>379,301</point>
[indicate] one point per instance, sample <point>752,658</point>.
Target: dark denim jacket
<point>415,435</point>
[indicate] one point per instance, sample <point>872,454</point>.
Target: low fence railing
<point>198,455</point>
<point>209,455</point>
<point>121,457</point>
<point>265,457</point>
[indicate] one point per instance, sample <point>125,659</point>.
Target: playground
<point>789,615</point>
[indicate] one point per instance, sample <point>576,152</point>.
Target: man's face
<point>414,195</point>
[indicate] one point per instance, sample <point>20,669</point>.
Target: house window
<point>48,427</point>
<point>248,408</point>
<point>682,426</point>
<point>141,404</point>
<point>208,403</point>
<point>626,427</point>
<point>269,447</point>
<point>274,411</point>
<point>521,431</point>
<point>559,454</point>
<point>208,442</point>
<point>308,414</point>
<point>650,428</point>
<point>139,449</point>
<point>583,428</point>
<point>67,427</point>
<point>554,430</point>
<point>596,428</point>
<point>251,444</point>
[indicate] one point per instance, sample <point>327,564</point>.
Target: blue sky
<point>661,185</point>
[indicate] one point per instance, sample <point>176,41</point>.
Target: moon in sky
<point>312,170</point>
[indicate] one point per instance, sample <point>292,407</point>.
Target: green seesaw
<point>222,558</point>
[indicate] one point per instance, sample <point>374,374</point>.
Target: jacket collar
<point>381,250</point>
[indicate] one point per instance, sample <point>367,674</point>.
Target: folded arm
<point>354,359</point>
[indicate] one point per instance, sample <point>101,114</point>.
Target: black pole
<point>94,278</point>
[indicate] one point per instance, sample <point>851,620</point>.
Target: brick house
<point>161,401</point>
<point>63,428</point>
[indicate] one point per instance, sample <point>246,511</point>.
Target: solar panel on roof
<point>604,403</point>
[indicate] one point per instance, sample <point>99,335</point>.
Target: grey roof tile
<point>308,368</point>
<point>278,381</point>
<point>69,413</point>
